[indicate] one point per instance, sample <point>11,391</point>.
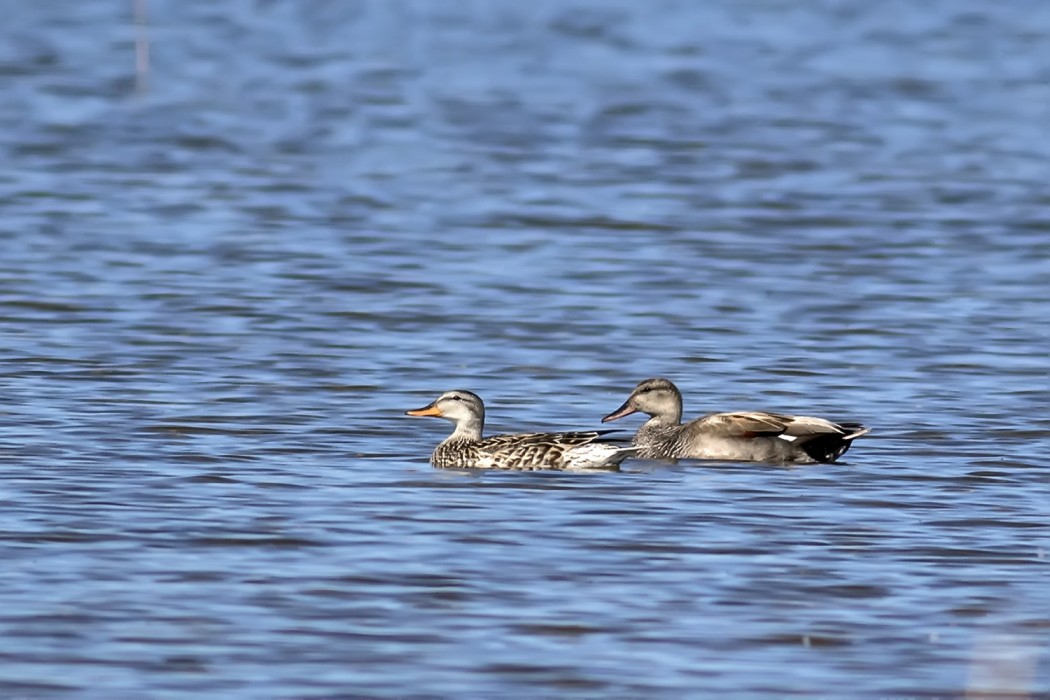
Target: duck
<point>467,448</point>
<point>740,436</point>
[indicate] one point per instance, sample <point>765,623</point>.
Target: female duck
<point>466,447</point>
<point>749,436</point>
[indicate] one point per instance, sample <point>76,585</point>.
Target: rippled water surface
<point>224,280</point>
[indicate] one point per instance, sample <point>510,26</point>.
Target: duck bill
<point>622,411</point>
<point>428,410</point>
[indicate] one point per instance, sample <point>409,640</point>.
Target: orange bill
<point>429,410</point>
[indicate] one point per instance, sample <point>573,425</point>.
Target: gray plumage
<point>746,436</point>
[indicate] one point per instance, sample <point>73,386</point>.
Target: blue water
<point>224,279</point>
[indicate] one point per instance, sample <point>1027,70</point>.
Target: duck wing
<point>805,426</point>
<point>740,424</point>
<point>512,440</point>
<point>548,450</point>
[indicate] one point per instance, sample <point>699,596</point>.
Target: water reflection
<point>220,295</point>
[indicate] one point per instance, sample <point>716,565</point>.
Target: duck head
<point>463,408</point>
<point>656,397</point>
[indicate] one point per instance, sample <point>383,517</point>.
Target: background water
<point>221,289</point>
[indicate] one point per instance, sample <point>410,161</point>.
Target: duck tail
<point>828,447</point>
<point>853,430</point>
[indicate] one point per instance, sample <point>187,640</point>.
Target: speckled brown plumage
<point>466,447</point>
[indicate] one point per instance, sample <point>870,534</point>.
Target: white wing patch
<point>595,454</point>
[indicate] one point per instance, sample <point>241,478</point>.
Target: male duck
<point>749,436</point>
<point>466,447</point>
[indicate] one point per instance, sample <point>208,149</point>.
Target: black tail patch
<point>828,448</point>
